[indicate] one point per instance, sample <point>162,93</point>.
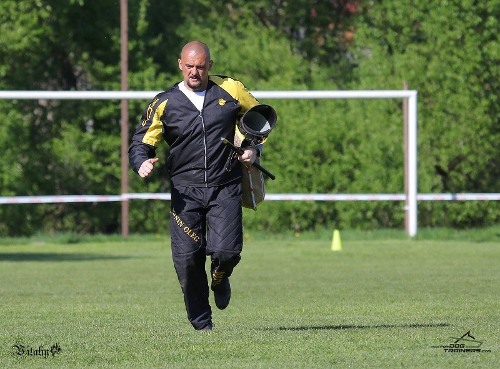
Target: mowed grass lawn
<point>377,303</point>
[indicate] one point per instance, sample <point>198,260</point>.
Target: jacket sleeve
<point>138,153</point>
<point>148,134</point>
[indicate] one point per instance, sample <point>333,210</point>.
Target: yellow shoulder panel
<point>237,90</point>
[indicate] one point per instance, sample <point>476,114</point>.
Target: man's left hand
<point>249,155</point>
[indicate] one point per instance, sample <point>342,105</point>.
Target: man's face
<point>195,66</point>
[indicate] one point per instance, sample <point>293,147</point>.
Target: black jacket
<point>197,157</point>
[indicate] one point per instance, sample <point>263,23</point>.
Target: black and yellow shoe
<point>222,290</point>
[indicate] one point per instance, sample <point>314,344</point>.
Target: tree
<point>67,147</point>
<point>449,52</point>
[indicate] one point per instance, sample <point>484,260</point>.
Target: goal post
<point>411,146</point>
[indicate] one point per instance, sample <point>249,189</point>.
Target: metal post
<point>412,164</point>
<point>405,145</point>
<point>124,112</point>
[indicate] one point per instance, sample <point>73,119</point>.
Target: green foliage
<point>447,51</point>
<point>341,147</point>
<point>66,147</point>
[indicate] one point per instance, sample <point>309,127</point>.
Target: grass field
<point>382,302</point>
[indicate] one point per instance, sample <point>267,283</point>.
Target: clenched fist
<point>147,167</point>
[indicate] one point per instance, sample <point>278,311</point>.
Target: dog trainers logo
<point>466,343</point>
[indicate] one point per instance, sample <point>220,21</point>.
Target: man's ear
<point>210,64</point>
<point>180,63</point>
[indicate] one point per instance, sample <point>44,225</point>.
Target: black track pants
<point>204,221</point>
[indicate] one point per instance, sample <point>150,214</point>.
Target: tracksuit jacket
<point>198,158</point>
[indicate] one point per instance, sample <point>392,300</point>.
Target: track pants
<point>204,221</point>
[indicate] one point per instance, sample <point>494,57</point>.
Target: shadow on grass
<point>54,256</point>
<point>340,327</point>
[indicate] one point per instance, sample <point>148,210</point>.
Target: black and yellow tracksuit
<point>206,215</point>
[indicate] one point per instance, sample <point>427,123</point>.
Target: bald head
<point>196,47</point>
<point>195,63</point>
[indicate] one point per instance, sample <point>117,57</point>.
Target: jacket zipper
<point>205,146</point>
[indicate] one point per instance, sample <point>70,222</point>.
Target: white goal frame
<point>411,172</point>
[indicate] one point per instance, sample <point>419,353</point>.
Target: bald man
<point>205,216</point>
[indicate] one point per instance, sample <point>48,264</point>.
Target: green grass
<point>384,301</point>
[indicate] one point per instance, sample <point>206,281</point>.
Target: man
<point>206,216</point>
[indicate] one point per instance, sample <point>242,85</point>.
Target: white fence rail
<point>269,197</point>
<point>148,95</point>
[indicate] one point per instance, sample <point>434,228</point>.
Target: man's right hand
<point>147,167</point>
